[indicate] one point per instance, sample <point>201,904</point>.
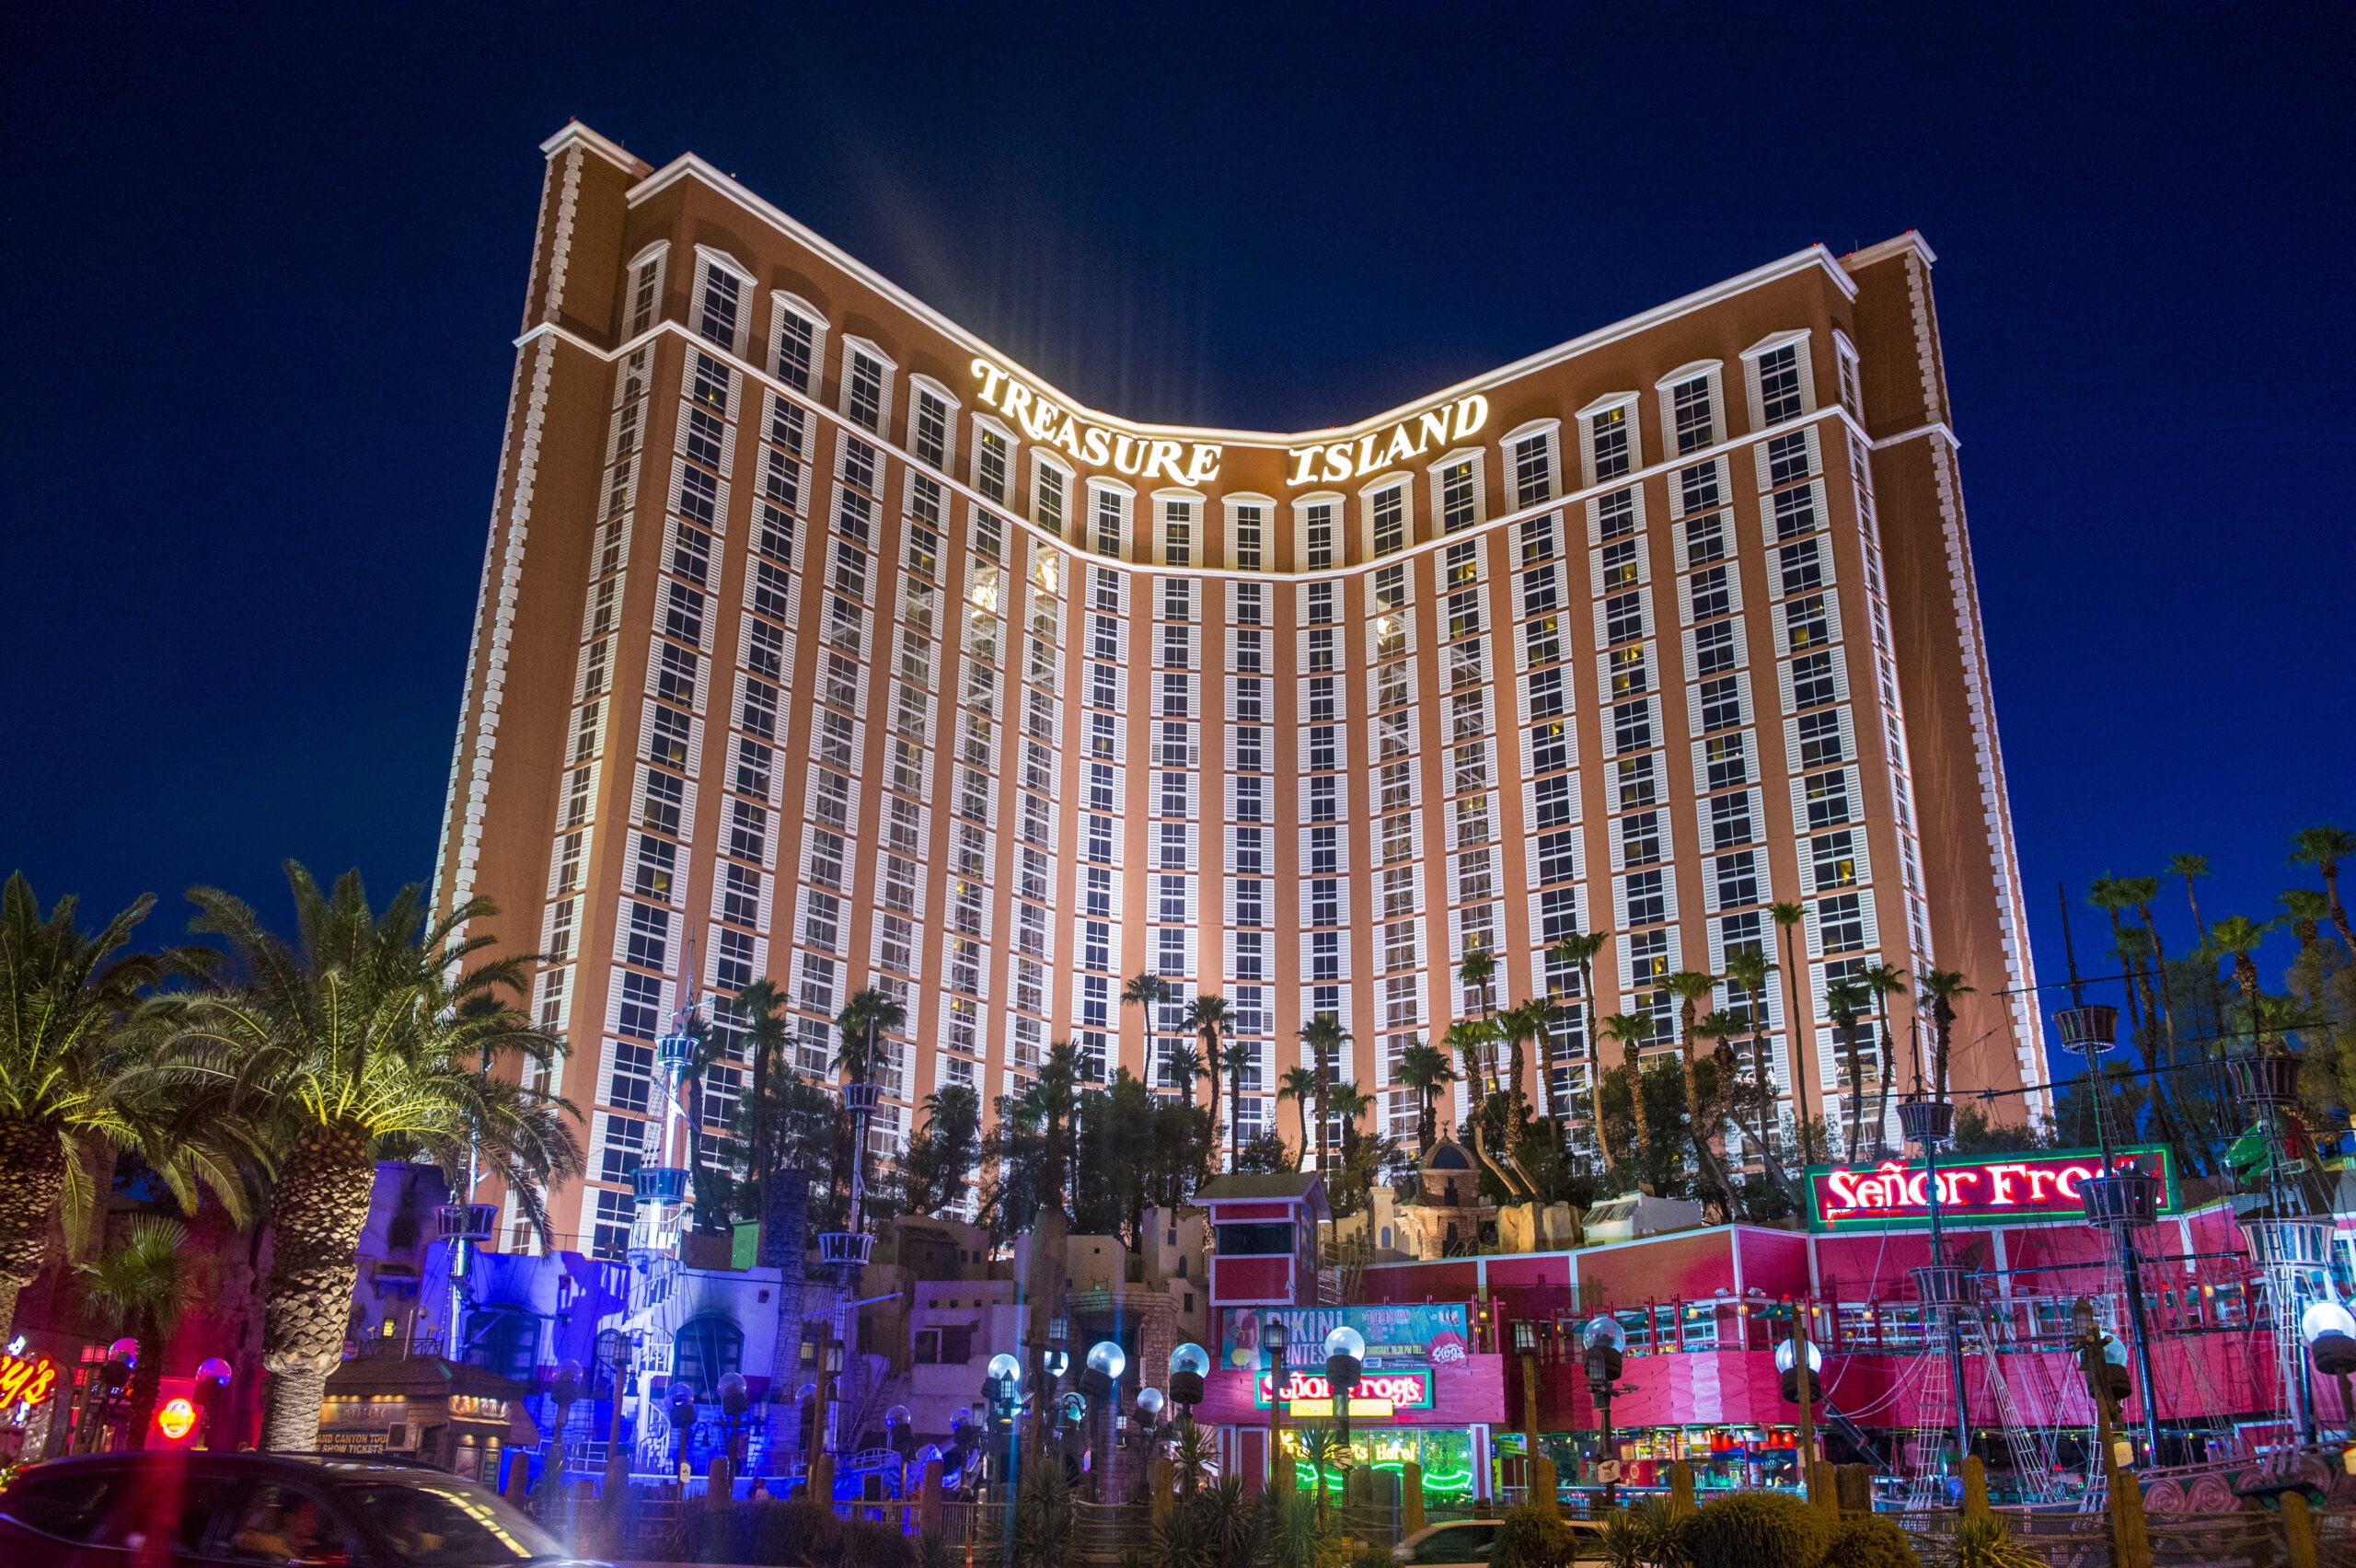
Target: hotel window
<point>1387,521</point>
<point>1832,861</point>
<point>1459,495</point>
<point>991,453</point>
<point>1320,604</point>
<point>1249,521</point>
<point>1610,442</point>
<point>1533,468</point>
<point>1047,488</point>
<point>720,298</point>
<point>1317,549</point>
<point>929,428</point>
<point>1813,684</point>
<point>1852,391</point>
<point>646,289</point>
<point>1109,510</point>
<point>1691,411</point>
<point>1390,587</point>
<point>1779,385</point>
<point>801,336</point>
<point>867,384</point>
<point>1178,533</point>
<point>1714,648</point>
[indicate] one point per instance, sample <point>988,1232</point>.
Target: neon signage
<point>26,1378</point>
<point>2024,1190</point>
<point>1390,1390</point>
<point>1049,423</point>
<point>177,1419</point>
<point>1378,449</point>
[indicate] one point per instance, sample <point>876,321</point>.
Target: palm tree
<point>82,1067</point>
<point>1539,1016</point>
<point>2304,910</point>
<point>867,1014</point>
<point>1631,1029</point>
<point>1581,948</point>
<point>2322,849</point>
<point>1787,917</point>
<point>368,1037</point>
<point>1325,1036</point>
<point>1299,1085</point>
<point>1719,1028</point>
<point>1940,988</point>
<point>1881,980</point>
<point>1842,999</point>
<point>1237,1055</point>
<point>2140,892</point>
<point>1146,991</point>
<point>2108,895</point>
<point>1747,970</point>
<point>1467,1040</point>
<point>2191,867</point>
<point>1691,988</point>
<point>140,1289</point>
<point>1518,1026</point>
<point>1207,1018</point>
<point>2238,937</point>
<point>1479,968</point>
<point>1425,1071</point>
<point>765,1037</point>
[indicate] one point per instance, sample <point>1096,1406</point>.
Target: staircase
<point>1102,1534</point>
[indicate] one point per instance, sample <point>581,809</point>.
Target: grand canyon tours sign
<point>2023,1188</point>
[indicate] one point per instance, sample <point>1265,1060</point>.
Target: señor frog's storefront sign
<point>2022,1190</point>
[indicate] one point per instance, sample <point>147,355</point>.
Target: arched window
<point>708,1349</point>
<point>612,1345</point>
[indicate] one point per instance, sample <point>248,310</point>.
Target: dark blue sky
<point>263,269</point>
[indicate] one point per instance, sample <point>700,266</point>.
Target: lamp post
<point>1002,1386</point>
<point>565,1392</point>
<point>735,1399</point>
<point>1189,1365</point>
<point>1605,1345</point>
<point>1275,1337</point>
<point>1101,1383</point>
<point>1803,1388</point>
<point>213,1400</point>
<point>2329,1330</point>
<point>1345,1359</point>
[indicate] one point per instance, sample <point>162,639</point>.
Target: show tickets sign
<point>2016,1189</point>
<point>1402,1344</point>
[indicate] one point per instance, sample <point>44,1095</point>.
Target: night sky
<point>264,270</point>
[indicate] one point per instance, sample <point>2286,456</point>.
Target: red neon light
<point>178,1419</point>
<point>28,1378</point>
<point>1401,1390</point>
<point>2031,1187</point>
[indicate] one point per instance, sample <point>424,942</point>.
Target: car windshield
<point>447,1524</point>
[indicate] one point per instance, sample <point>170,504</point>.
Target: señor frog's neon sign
<point>2031,1188</point>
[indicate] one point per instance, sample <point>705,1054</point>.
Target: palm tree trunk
<point>1210,1059</point>
<point>146,1381</point>
<point>1856,1106</point>
<point>1637,1105</point>
<point>1881,1093</point>
<point>316,1219</point>
<point>32,1180</point>
<point>2338,910</point>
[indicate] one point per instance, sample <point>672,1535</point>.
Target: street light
<point>1002,1386</point>
<point>1275,1336</point>
<point>1345,1359</point>
<point>735,1399</point>
<point>1101,1383</point>
<point>2329,1330</point>
<point>1604,1345</point>
<point>1525,1344</point>
<point>212,1393</point>
<point>1802,1388</point>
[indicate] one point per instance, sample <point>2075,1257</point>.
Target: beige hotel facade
<point>818,640</point>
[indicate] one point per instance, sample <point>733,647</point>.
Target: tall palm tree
<point>2305,910</point>
<point>1747,970</point>
<point>2322,848</point>
<point>1478,970</point>
<point>1787,917</point>
<point>1146,991</point>
<point>1880,980</point>
<point>2238,937</point>
<point>1467,1040</point>
<point>141,1289</point>
<point>2140,891</point>
<point>1631,1029</point>
<point>1424,1069</point>
<point>1692,987</point>
<point>1719,1028</point>
<point>367,1037</point>
<point>1940,988</point>
<point>765,1036</point>
<point>1325,1037</point>
<point>2107,893</point>
<point>2190,868</point>
<point>1518,1027</point>
<point>1581,948</point>
<point>1539,1016</point>
<point>1237,1055</point>
<point>1843,1000</point>
<point>1207,1018</point>
<point>867,1015</point>
<point>1299,1085</point>
<point>83,1065</point>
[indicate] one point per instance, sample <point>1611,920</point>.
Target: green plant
<point>1623,1539</point>
<point>1298,1534</point>
<point>1868,1540</point>
<point>1660,1528</point>
<point>1230,1521</point>
<point>1754,1530</point>
<point>1532,1537</point>
<point>1042,1534</point>
<point>1985,1543</point>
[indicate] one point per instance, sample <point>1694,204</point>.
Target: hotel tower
<point>820,640</point>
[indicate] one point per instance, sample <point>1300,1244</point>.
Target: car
<point>1466,1543</point>
<point>174,1507</point>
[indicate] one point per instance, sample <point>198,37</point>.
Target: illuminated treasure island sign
<point>1402,1345</point>
<point>2019,1190</point>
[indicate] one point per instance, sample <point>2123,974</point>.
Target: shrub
<point>1531,1538</point>
<point>1985,1543</point>
<point>1755,1529</point>
<point>1868,1540</point>
<point>1623,1539</point>
<point>1659,1525</point>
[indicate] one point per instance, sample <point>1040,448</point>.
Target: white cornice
<point>1910,240</point>
<point>1936,427</point>
<point>687,166</point>
<point>574,133</point>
